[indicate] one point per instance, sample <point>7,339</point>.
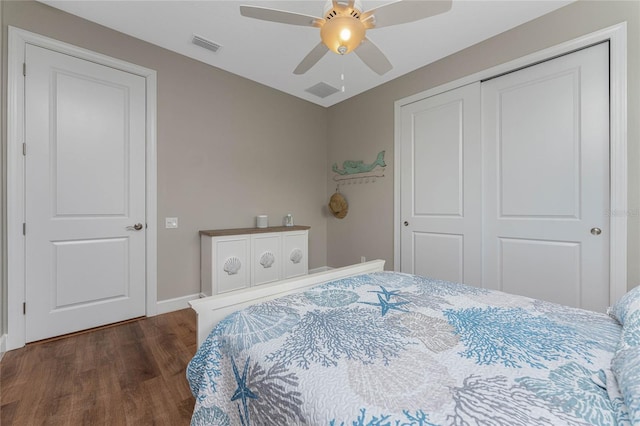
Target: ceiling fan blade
<point>281,16</point>
<point>311,59</point>
<point>402,12</point>
<point>373,57</point>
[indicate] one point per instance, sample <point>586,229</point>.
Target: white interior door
<point>440,189</point>
<point>546,171</point>
<point>85,191</point>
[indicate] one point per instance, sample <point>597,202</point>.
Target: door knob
<point>406,223</point>
<point>596,231</point>
<point>136,227</point>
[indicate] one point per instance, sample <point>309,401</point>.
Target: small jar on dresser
<point>236,259</point>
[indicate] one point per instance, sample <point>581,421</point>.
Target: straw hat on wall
<point>338,206</point>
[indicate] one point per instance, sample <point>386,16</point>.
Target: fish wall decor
<point>350,167</point>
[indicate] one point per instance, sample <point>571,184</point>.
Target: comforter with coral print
<point>397,349</point>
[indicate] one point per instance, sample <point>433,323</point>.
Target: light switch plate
<point>170,222</point>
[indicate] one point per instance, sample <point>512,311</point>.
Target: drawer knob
<point>296,255</point>
<point>232,265</point>
<point>267,259</point>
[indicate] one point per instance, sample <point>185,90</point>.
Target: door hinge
<point>24,69</point>
<point>24,228</point>
<point>24,149</point>
<point>24,308</point>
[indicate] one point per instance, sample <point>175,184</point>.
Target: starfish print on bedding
<point>387,294</point>
<point>386,306</point>
<point>243,392</point>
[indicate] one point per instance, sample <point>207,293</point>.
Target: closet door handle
<point>406,223</point>
<point>596,231</point>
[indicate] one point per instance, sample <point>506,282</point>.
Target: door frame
<point>16,261</point>
<point>616,35</point>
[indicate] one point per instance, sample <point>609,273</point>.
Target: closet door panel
<point>539,126</point>
<point>438,157</point>
<point>441,256</point>
<point>546,180</point>
<point>441,186</point>
<point>537,268</point>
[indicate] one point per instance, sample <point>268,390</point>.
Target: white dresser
<point>234,259</point>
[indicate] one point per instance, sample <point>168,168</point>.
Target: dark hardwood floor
<point>129,374</point>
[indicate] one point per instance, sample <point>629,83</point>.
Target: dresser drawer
<point>266,257</point>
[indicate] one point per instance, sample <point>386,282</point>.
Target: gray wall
<point>228,148</point>
<point>364,125</point>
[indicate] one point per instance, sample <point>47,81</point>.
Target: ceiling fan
<point>344,25</point>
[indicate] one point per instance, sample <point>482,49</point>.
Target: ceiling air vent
<point>207,44</point>
<point>322,90</point>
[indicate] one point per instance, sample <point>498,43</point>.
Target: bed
<point>383,348</point>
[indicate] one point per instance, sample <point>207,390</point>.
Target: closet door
<point>440,184</point>
<point>546,180</point>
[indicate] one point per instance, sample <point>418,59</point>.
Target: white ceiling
<point>268,52</point>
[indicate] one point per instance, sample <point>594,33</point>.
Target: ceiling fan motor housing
<point>330,11</point>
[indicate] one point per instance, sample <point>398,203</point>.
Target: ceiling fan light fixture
<point>342,34</point>
<point>343,27</point>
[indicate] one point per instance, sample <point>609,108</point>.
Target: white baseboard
<point>170,305</point>
<point>3,345</point>
<point>320,269</point>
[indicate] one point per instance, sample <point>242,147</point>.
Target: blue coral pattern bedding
<point>397,349</point>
